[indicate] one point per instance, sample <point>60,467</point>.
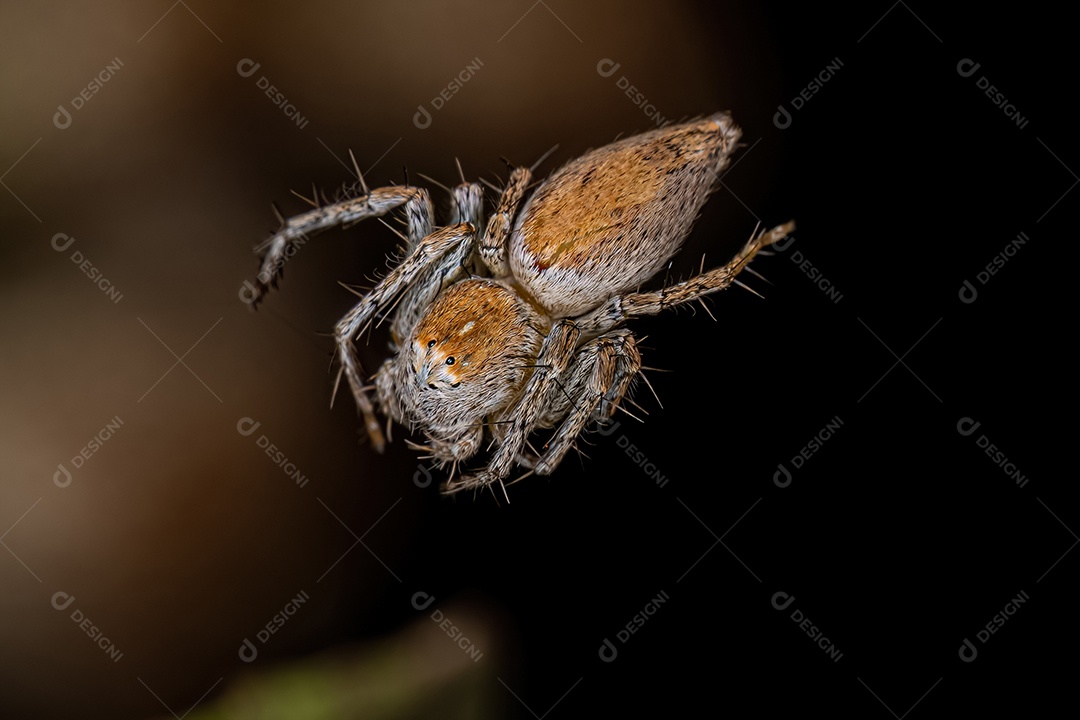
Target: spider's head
<point>440,363</point>
<point>469,353</point>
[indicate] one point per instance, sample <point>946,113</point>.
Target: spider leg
<point>445,248</point>
<point>295,231</point>
<point>555,357</point>
<point>598,380</point>
<point>622,307</point>
<point>467,204</point>
<point>493,244</point>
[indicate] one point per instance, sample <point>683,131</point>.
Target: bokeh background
<point>179,540</point>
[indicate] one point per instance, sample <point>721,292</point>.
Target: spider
<point>498,333</point>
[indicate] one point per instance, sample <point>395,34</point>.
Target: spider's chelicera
<point>521,326</point>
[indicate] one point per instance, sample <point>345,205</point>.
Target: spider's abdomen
<point>609,220</point>
<point>469,355</point>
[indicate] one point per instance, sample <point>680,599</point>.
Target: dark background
<point>899,538</point>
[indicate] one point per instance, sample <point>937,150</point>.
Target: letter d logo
<point>61,242</point>
<point>607,67</point>
<point>246,68</point>
<point>781,600</point>
<point>246,426</point>
<point>62,118</point>
<point>62,600</point>
<point>782,476</point>
<point>62,477</point>
<point>968,293</point>
<point>967,67</point>
<point>607,428</point>
<point>422,600</point>
<point>966,426</point>
<point>248,293</point>
<point>421,478</point>
<point>248,652</point>
<point>782,118</point>
<point>422,118</point>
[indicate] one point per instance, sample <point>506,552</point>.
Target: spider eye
<point>450,360</point>
<point>431,343</point>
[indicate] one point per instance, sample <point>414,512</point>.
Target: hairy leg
<point>419,217</point>
<point>445,248</point>
<point>623,307</point>
<point>467,204</point>
<point>599,378</point>
<point>555,357</point>
<point>493,244</point>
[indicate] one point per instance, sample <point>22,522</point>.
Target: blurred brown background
<point>180,537</point>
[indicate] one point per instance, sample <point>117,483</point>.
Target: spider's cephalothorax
<point>499,332</point>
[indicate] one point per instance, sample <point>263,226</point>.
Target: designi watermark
<point>782,476</point>
<point>248,650</point>
<point>422,118</point>
<point>63,476</point>
<point>247,427</point>
<point>808,269</point>
<point>422,601</point>
<point>636,454</point>
<point>61,242</point>
<point>248,67</point>
<point>968,651</point>
<point>968,292</point>
<point>62,601</point>
<point>782,601</point>
<point>783,119</point>
<point>248,293</point>
<point>62,117</point>
<point>968,67</point>
<point>608,650</point>
<point>967,426</point>
<point>608,67</point>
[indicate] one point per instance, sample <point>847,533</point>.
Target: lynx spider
<point>521,327</point>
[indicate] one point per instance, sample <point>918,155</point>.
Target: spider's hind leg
<point>621,308</point>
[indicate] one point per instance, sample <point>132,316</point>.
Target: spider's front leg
<point>555,357</point>
<point>419,216</point>
<point>595,383</point>
<point>467,204</point>
<point>419,275</point>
